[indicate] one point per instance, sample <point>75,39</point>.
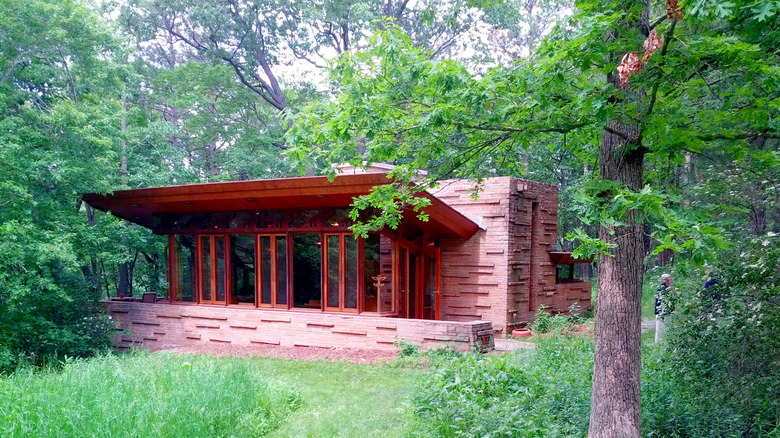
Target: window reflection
<point>184,272</point>
<point>242,268</point>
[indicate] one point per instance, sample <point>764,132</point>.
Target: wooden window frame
<point>274,304</point>
<point>342,274</point>
<point>397,243</point>
<point>229,270</point>
<point>212,268</point>
<point>173,285</point>
<point>420,253</point>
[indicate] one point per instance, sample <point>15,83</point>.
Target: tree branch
<point>560,130</point>
<point>741,136</point>
<point>657,21</point>
<point>10,69</point>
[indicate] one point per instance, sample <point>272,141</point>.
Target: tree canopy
<point>658,121</point>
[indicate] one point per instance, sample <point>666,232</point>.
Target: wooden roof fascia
<point>565,258</point>
<point>122,203</point>
<point>244,189</point>
<point>456,221</point>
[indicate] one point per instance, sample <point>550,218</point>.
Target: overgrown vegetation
<point>144,395</point>
<point>544,322</point>
<point>718,372</point>
<point>412,356</point>
<point>543,392</point>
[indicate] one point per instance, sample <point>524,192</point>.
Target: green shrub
<point>143,395</point>
<point>576,315</point>
<point>407,349</point>
<point>717,373</point>
<point>545,323</point>
<point>410,356</point>
<point>542,394</point>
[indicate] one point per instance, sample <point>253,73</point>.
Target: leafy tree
<point>711,83</point>
<point>58,127</point>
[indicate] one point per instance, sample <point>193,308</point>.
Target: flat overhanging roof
<point>566,258</point>
<point>140,205</point>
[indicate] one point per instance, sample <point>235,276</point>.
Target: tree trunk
<point>123,288</point>
<point>92,271</point>
<point>615,403</point>
<point>615,407</point>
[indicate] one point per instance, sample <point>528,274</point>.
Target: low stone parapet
<point>158,326</point>
<point>575,292</point>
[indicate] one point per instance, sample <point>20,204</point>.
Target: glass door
<point>430,289</point>
<point>419,285</point>
<point>211,266</point>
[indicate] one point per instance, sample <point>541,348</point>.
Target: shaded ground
<point>354,355</point>
<point>504,345</point>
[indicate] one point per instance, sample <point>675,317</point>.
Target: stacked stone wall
<point>504,272</point>
<point>158,326</point>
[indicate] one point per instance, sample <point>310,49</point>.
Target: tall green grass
<point>544,392</point>
<point>143,395</point>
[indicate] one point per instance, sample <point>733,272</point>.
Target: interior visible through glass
<point>307,265</point>
<point>242,268</point>
<point>184,276</point>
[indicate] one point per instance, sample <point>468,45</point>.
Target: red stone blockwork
<point>504,273</point>
<point>157,326</point>
<point>568,294</point>
<point>474,273</point>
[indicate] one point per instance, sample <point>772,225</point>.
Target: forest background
<point>108,96</point>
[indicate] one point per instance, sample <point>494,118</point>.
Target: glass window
<point>270,220</point>
<point>312,270</point>
<point>219,249</point>
<point>333,251</point>
<point>342,272</point>
<point>565,273</point>
<point>265,270</point>
<point>183,270</point>
<point>412,294</point>
<point>338,218</point>
<point>273,270</point>
<point>242,268</point>
<point>205,268</point>
<point>351,272</point>
<point>377,274</point>
<point>429,283</point>
<point>241,220</point>
<point>307,266</point>
<point>281,270</point>
<point>303,219</point>
<point>213,279</point>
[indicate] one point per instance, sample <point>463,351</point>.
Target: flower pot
<point>521,333</point>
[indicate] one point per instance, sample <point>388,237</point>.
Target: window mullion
<point>342,273</point>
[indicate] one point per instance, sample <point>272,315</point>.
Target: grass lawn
<point>341,399</point>
<point>168,395</point>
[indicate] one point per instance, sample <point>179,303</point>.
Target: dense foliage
<point>719,371</point>
<point>58,126</point>
<point>544,392</point>
<point>716,373</point>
